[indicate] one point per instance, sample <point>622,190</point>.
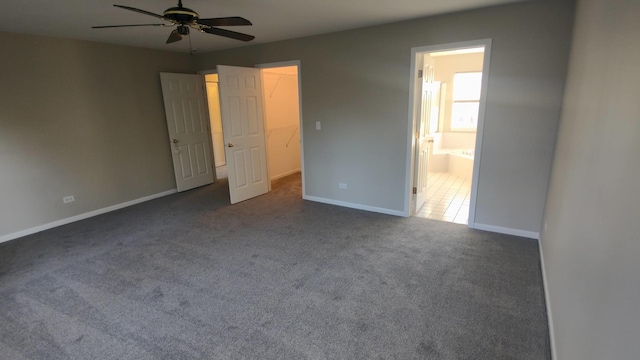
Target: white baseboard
<point>354,206</point>
<point>554,354</point>
<point>291,172</point>
<point>508,231</point>
<point>79,217</point>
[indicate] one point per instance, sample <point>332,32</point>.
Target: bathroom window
<point>466,100</point>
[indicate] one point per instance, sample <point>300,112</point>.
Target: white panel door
<point>243,128</point>
<point>423,138</point>
<point>188,125</point>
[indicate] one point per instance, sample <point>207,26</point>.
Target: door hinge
<point>415,190</point>
<point>420,73</point>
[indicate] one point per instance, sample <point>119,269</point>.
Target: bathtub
<point>454,161</point>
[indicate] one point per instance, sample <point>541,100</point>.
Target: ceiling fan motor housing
<point>181,15</point>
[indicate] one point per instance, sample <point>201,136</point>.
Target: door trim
<point>411,143</point>
<point>299,65</point>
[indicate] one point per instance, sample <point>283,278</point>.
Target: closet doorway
<point>282,116</point>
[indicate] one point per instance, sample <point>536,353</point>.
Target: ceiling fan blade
<point>225,21</point>
<point>229,34</point>
<point>140,11</point>
<point>115,26</point>
<point>174,36</point>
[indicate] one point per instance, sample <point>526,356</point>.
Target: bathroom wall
<point>282,120</point>
<point>447,140</point>
<point>460,140</point>
<point>446,67</point>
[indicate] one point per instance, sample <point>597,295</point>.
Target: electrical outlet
<point>342,186</point>
<point>68,199</point>
<point>318,125</point>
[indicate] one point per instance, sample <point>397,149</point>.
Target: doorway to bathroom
<point>448,107</point>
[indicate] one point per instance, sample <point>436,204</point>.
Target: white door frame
<point>292,63</point>
<point>409,178</point>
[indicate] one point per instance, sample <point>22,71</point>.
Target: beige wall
<point>592,243</point>
<point>282,120</point>
<point>356,83</point>
<point>215,119</point>
<point>83,119</point>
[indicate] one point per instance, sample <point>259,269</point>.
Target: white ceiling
<point>272,20</point>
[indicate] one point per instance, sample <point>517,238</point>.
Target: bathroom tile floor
<point>447,198</point>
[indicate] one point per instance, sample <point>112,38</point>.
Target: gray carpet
<point>190,277</point>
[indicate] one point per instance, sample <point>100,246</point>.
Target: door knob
<point>230,145</point>
<point>175,141</point>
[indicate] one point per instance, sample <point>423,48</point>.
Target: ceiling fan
<point>186,18</point>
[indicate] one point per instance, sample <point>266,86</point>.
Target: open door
<point>424,107</point>
<point>243,128</point>
<point>188,125</point>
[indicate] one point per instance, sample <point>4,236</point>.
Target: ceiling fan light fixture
<point>183,30</point>
<point>174,36</point>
